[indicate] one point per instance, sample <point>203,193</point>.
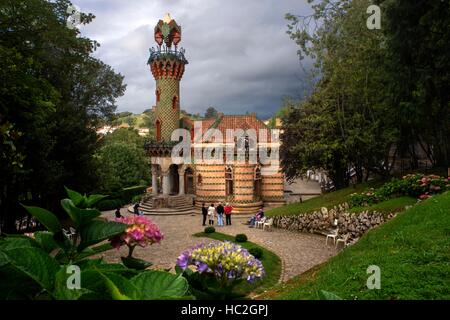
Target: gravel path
<point>298,252</point>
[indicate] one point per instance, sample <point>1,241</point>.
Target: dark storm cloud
<point>240,57</point>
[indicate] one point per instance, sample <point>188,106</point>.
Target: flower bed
<point>415,185</point>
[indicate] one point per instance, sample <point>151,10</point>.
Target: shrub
<point>127,194</point>
<point>414,185</point>
<point>210,230</point>
<point>217,268</point>
<point>256,252</point>
<point>241,238</point>
<point>108,204</point>
<point>137,198</point>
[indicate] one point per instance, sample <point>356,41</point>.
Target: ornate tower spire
<point>167,66</point>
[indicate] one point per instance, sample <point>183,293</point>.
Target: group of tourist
<point>212,212</point>
<point>257,217</point>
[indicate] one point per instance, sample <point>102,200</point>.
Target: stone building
<point>247,185</point>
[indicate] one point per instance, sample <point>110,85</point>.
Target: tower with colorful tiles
<point>167,64</point>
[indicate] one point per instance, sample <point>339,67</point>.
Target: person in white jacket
<point>211,213</point>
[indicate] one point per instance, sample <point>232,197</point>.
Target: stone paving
<point>298,252</point>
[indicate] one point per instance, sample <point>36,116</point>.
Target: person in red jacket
<point>228,209</point>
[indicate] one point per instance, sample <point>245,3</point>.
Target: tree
<point>53,96</point>
<point>418,40</point>
<point>211,113</point>
<point>346,122</point>
<point>122,161</point>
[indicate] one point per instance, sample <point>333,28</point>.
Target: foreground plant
<point>218,268</point>
<point>41,265</point>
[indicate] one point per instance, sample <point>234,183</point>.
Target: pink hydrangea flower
<point>141,232</point>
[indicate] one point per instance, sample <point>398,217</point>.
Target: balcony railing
<point>164,53</point>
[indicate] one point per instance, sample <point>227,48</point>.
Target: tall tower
<point>167,66</point>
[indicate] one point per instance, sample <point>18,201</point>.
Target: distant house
<point>105,130</point>
<point>144,132</point>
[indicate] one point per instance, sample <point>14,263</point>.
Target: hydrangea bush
<point>226,263</point>
<point>141,232</point>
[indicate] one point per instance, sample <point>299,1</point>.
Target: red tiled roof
<point>235,122</point>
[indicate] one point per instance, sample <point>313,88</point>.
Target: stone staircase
<point>172,205</point>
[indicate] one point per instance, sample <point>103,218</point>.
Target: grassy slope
<point>270,261</point>
<point>412,251</point>
<point>327,200</point>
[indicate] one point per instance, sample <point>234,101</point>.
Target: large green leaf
<point>16,285</point>
<point>48,219</point>
<point>120,287</point>
<point>93,199</point>
<point>79,216</point>
<point>35,263</point>
<point>99,230</point>
<point>87,252</point>
<point>134,263</point>
<point>160,285</point>
<point>46,241</point>
<point>18,241</point>
<point>3,259</point>
<point>76,197</point>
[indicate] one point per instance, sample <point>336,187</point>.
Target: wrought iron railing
<point>164,53</point>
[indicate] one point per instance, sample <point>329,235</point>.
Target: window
<point>158,130</point>
<point>229,181</point>
<point>174,102</point>
<point>158,95</point>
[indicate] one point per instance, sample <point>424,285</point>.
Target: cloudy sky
<point>240,57</point>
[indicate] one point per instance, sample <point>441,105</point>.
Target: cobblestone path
<point>298,252</point>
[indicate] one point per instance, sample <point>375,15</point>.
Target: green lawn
<point>270,261</point>
<point>412,251</point>
<point>326,200</point>
<point>388,206</point>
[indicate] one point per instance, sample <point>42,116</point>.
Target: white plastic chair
<point>344,240</point>
<point>260,223</point>
<point>268,224</point>
<point>333,235</point>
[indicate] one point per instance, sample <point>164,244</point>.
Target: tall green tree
<point>345,124</point>
<point>122,161</point>
<point>418,41</point>
<point>210,113</point>
<point>53,94</point>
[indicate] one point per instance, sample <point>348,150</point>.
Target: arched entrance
<point>189,181</point>
<point>174,180</point>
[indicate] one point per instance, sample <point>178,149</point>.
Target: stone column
<point>181,184</point>
<point>166,182</point>
<point>154,180</point>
